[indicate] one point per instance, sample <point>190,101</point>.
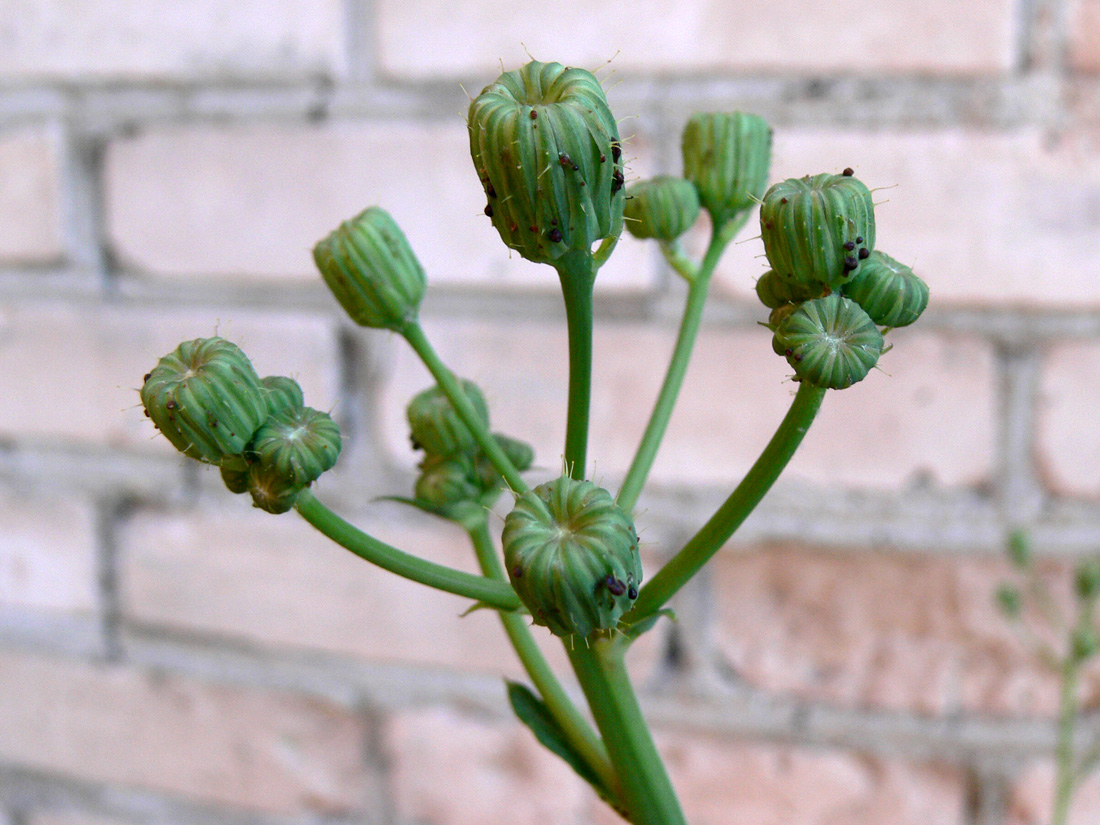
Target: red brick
<point>170,39</point>
<point>1032,798</point>
<point>1067,445</point>
<point>47,554</point>
<point>734,397</point>
<point>29,194</point>
<point>451,769</point>
<point>701,36</point>
<point>890,631</point>
<point>250,202</point>
<point>1085,35</point>
<point>1017,228</point>
<point>86,390</point>
<point>234,746</point>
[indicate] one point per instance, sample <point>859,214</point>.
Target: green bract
<point>546,148</point>
<point>663,207</point>
<point>206,398</point>
<point>435,426</point>
<point>297,444</point>
<point>830,342</point>
<point>817,230</point>
<point>371,269</point>
<point>727,156</point>
<point>572,556</point>
<point>888,291</point>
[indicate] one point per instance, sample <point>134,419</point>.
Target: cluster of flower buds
<point>829,289</point>
<point>455,470</point>
<point>207,400</point>
<point>572,557</point>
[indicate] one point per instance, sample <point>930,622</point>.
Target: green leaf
<point>533,712</point>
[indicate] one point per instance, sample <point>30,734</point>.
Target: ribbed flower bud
<point>282,392</point>
<point>663,207</point>
<point>435,426</point>
<point>270,489</point>
<point>206,398</point>
<point>818,230</point>
<point>572,556</point>
<point>297,444</point>
<point>446,480</point>
<point>888,291</point>
<point>830,342</point>
<point>371,269</point>
<point>546,148</point>
<point>774,292</point>
<point>727,156</point>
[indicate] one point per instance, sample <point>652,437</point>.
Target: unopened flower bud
<point>546,148</point>
<point>774,292</point>
<point>1086,579</point>
<point>663,207</point>
<point>572,556</point>
<point>520,453</point>
<point>271,491</point>
<point>1085,643</point>
<point>818,230</point>
<point>727,156</point>
<point>235,477</point>
<point>446,480</point>
<point>282,393</point>
<point>436,427</point>
<point>830,342</point>
<point>206,398</point>
<point>297,444</point>
<point>369,266</point>
<point>888,291</point>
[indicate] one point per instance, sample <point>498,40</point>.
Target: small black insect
<point>616,151</point>
<point>489,210</point>
<point>567,161</point>
<point>864,253</point>
<point>616,587</point>
<point>617,181</point>
<point>849,245</point>
<point>554,235</point>
<point>848,172</point>
<point>632,593</point>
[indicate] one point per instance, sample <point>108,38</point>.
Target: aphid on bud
<point>848,172</point>
<point>554,235</point>
<point>567,162</point>
<point>616,151</point>
<point>616,586</point>
<point>489,210</point>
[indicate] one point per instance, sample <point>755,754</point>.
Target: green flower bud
<point>1009,601</point>
<point>546,148</point>
<point>818,230</point>
<point>297,445</point>
<point>520,453</point>
<point>1086,579</point>
<point>446,480</point>
<point>1085,643</point>
<point>206,398</point>
<point>282,392</point>
<point>888,291</point>
<point>235,477</point>
<point>663,207</point>
<point>830,342</point>
<point>271,491</point>
<point>371,269</point>
<point>572,556</point>
<point>774,292</point>
<point>727,156</point>
<point>435,426</point>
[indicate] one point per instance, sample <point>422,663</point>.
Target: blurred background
<point>170,655</point>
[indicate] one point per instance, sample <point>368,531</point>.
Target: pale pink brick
<point>47,554</point>
<point>1067,438</point>
<point>252,202</point>
<point>734,783</point>
<point>892,631</point>
<point>1085,35</point>
<point>697,36</point>
<point>234,746</point>
<point>879,433</point>
<point>452,769</point>
<point>74,818</point>
<point>87,390</point>
<point>1032,799</point>
<point>1018,227</point>
<point>170,39</point>
<point>29,194</point>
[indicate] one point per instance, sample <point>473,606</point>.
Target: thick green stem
<point>735,509</point>
<point>647,792</point>
<point>1066,776</point>
<point>576,727</point>
<point>577,274</point>
<point>414,334</point>
<point>495,594</point>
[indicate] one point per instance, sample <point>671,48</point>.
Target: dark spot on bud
<point>512,227</point>
<point>616,587</point>
<point>848,172</point>
<point>603,158</point>
<point>517,572</point>
<point>616,151</point>
<point>859,239</point>
<point>849,245</point>
<point>632,593</point>
<point>489,190</point>
<point>147,414</point>
<point>798,356</point>
<point>567,162</point>
<point>146,378</point>
<point>533,228</point>
<point>617,181</point>
<point>489,210</point>
<point>788,353</point>
<point>554,235</point>
<point>553,221</point>
<point>534,115</point>
<point>782,200</point>
<point>170,404</point>
<point>850,263</point>
<point>864,253</point>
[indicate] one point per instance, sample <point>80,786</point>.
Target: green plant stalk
<point>647,792</point>
<point>710,538</point>
<point>677,367</point>
<point>496,594</point>
<point>679,260</point>
<point>414,334</point>
<point>583,738</point>
<point>577,274</point>
<point>1066,773</point>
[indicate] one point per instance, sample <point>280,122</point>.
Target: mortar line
<point>107,578</point>
<point>82,202</point>
<point>1021,496</point>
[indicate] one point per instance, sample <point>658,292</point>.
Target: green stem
<point>1066,776</point>
<point>414,334</point>
<point>647,791</point>
<point>576,273</point>
<point>576,727</point>
<point>735,509</point>
<point>679,260</point>
<point>495,594</point>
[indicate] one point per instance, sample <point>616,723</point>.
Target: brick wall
<point>168,655</point>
